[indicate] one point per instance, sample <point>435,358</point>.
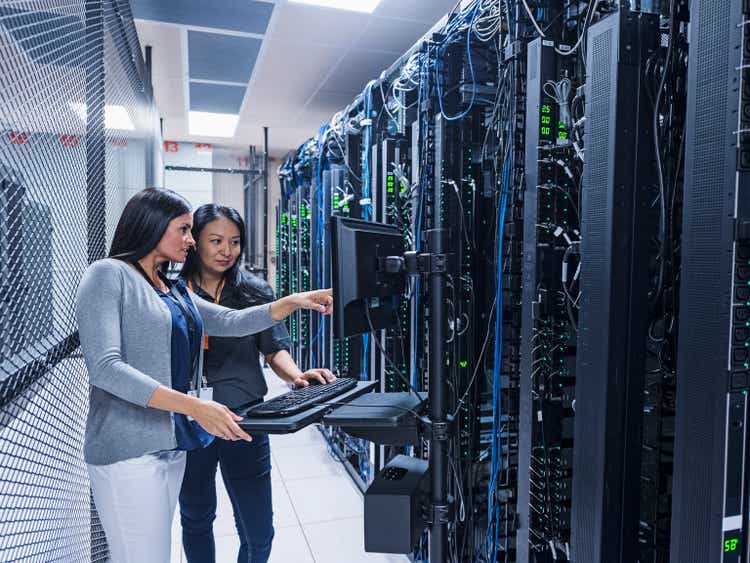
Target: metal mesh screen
<point>77,138</point>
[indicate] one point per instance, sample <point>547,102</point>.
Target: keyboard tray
<point>294,422</point>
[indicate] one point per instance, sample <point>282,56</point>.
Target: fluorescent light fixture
<point>115,117</point>
<point>212,124</point>
<point>366,6</point>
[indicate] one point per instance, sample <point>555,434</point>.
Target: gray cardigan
<point>126,333</point>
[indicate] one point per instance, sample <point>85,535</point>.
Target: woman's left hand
<point>320,375</point>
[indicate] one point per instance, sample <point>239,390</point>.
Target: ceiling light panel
<point>366,6</point>
<point>208,124</point>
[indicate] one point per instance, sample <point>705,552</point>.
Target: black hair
<point>204,215</point>
<point>144,221</point>
<point>253,290</point>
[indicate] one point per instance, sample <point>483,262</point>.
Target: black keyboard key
<point>301,399</point>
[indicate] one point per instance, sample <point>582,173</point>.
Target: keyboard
<point>301,399</point>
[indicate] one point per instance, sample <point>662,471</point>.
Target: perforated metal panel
<point>57,59</point>
<point>616,230</point>
<point>595,261</point>
<point>705,298</point>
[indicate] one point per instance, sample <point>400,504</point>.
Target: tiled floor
<point>318,513</point>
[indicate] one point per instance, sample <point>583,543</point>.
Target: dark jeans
<point>246,470</point>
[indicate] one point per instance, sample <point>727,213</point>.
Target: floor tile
<point>275,475</point>
<point>310,435</point>
<point>283,511</point>
<point>349,546</point>
<point>227,548</point>
<point>322,499</point>
<point>305,461</point>
<point>223,504</point>
<point>290,546</point>
<point>224,524</point>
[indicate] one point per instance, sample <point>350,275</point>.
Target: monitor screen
<point>358,281</point>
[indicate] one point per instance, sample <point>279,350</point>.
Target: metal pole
<point>251,206</point>
<point>265,202</point>
<point>148,67</point>
<point>438,399</point>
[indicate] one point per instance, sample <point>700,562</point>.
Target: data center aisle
<point>317,509</point>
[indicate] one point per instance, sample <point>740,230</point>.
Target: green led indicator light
<point>463,363</point>
<point>731,545</point>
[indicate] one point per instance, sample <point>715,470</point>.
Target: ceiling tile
<point>226,58</point>
<point>166,49</point>
<point>280,139</point>
<point>312,63</point>
<point>216,98</point>
<point>299,23</point>
<point>325,103</point>
<point>286,78</point>
<point>389,34</point>
<point>356,69</point>
<point>169,97</point>
<point>247,16</point>
<point>427,11</point>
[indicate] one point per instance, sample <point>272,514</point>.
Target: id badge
<point>206,393</point>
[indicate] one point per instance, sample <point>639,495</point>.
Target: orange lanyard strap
<point>216,302</point>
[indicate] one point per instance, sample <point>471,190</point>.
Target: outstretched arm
<point>223,321</point>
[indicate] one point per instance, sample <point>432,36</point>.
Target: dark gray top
<point>126,332</point>
<point>232,365</point>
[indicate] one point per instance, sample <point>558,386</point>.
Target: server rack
<point>617,223</point>
<point>709,511</point>
<point>551,241</point>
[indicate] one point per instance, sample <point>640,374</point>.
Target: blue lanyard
<point>174,294</point>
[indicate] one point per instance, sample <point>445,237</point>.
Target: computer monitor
<point>359,281</point>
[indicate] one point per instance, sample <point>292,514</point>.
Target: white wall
<point>228,189</point>
<point>225,189</point>
<point>196,187</point>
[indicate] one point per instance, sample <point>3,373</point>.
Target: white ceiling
<point>313,61</point>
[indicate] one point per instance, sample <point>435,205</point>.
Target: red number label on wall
<point>69,141</point>
<point>18,138</point>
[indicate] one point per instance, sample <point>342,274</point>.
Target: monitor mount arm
<point>433,264</point>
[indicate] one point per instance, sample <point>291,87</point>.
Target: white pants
<point>136,500</point>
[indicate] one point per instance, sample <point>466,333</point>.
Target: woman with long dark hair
<point>141,336</point>
<point>232,369</point>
